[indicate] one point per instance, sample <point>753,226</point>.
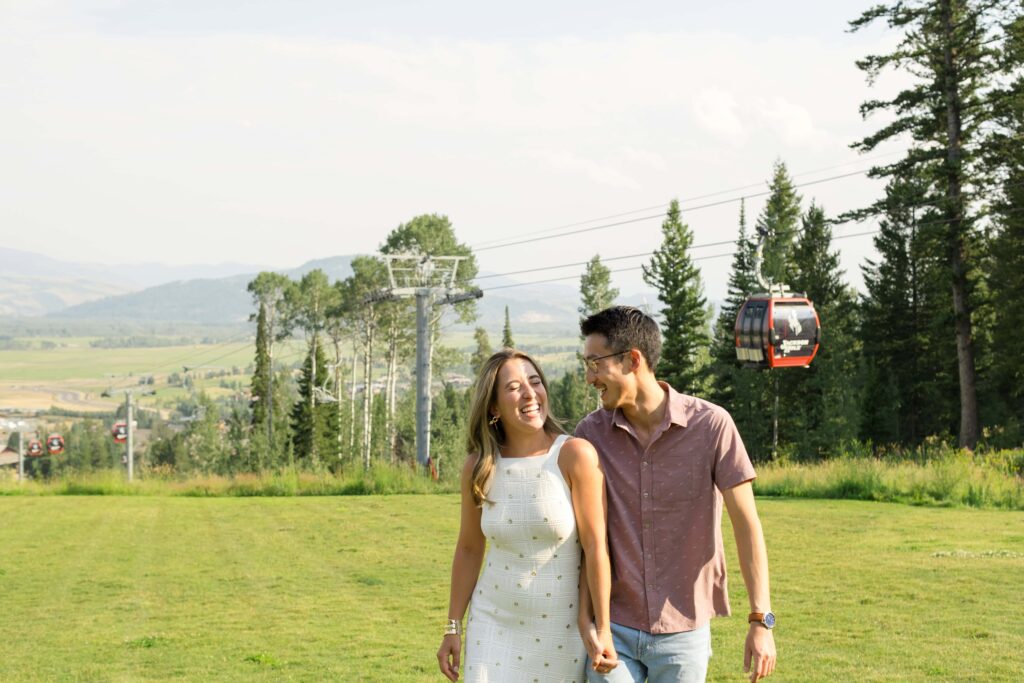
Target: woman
<point>537,497</point>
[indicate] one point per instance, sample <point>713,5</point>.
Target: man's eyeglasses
<point>591,363</point>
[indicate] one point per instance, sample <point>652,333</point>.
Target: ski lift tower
<point>129,436</point>
<point>431,280</point>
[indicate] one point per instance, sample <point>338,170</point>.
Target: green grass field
<point>119,588</point>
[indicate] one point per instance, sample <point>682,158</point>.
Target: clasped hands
<point>600,647</point>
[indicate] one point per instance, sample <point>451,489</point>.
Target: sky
<point>273,133</point>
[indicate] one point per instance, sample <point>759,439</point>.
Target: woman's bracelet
<point>453,628</point>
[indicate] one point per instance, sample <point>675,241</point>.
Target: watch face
<point>769,620</point>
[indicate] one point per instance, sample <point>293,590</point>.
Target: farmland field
<point>70,374</point>
<point>355,589</point>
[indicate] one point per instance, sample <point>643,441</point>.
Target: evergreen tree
<point>1006,272</point>
<point>506,332</point>
<point>947,46</point>
<point>308,304</point>
<point>684,309</point>
<point>448,421</point>
<point>573,399</point>
<point>827,412</point>
<point>313,429</point>
<point>482,352</point>
<point>780,217</point>
<point>749,394</point>
<point>910,383</point>
<point>263,374</point>
<point>725,367</point>
<point>268,290</point>
<point>596,291</point>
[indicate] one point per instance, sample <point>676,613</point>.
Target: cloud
<point>715,111</point>
<point>790,121</point>
<point>597,172</point>
<point>210,137</point>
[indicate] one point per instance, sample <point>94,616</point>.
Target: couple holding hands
<point>604,555</point>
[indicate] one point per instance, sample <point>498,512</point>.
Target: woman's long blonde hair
<point>484,438</point>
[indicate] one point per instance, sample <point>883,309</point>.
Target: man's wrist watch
<point>766,619</point>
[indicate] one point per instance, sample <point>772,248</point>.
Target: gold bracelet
<point>453,628</point>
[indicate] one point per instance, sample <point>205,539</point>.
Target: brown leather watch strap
<point>755,616</point>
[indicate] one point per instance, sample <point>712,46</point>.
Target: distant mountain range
<point>36,285</point>
<point>204,300</point>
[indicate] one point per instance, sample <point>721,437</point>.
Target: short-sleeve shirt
<point>665,511</point>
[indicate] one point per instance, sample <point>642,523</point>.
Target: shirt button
<point>644,463</point>
<point>646,495</point>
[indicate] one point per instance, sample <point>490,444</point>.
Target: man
<point>669,460</point>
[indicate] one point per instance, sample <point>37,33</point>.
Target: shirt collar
<point>676,409</point>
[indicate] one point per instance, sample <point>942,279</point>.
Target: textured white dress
<point>522,616</point>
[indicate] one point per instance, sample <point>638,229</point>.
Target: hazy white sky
<point>203,131</point>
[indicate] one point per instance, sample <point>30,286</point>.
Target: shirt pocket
<point>679,480</point>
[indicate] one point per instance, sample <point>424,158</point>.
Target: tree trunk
<point>954,212</point>
<point>352,403</point>
<point>390,393</point>
<point>312,401</point>
<point>367,396</point>
<point>337,396</point>
<point>269,407</point>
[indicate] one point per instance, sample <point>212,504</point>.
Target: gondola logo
<point>794,323</point>
<point>791,345</point>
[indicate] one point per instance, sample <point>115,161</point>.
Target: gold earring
<point>494,420</point>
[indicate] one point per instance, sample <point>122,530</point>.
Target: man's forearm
<point>750,546</point>
<point>753,557</point>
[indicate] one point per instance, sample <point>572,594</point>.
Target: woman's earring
<point>494,421</point>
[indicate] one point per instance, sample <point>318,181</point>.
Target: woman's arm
<point>469,556</point>
<point>586,481</point>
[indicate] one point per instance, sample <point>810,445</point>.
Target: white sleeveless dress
<point>522,616</point>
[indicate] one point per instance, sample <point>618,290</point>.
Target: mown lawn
<point>355,589</point>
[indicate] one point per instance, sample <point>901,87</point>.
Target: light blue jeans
<point>663,658</point>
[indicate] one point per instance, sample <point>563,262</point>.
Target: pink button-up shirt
<point>665,511</point>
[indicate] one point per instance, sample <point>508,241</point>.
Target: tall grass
<point>945,478</point>
<point>993,480</point>
<point>380,479</point>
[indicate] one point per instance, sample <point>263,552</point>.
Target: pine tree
<point>269,293</point>
<point>308,304</point>
<point>262,375</point>
<point>947,46</point>
<point>741,285</point>
<point>1006,272</point>
<point>596,291</point>
<point>482,352</point>
<point>828,410</point>
<point>312,424</point>
<point>506,332</point>
<point>910,383</point>
<point>780,217</point>
<point>684,309</point>
<point>750,394</point>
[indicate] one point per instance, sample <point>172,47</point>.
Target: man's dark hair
<point>625,328</point>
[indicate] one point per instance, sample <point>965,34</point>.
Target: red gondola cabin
<point>35,448</point>
<point>777,332</point>
<point>120,432</point>
<point>55,444</point>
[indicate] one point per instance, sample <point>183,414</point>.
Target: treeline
<point>931,350</point>
<point>928,354</point>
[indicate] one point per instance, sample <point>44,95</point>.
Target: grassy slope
<point>354,588</point>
